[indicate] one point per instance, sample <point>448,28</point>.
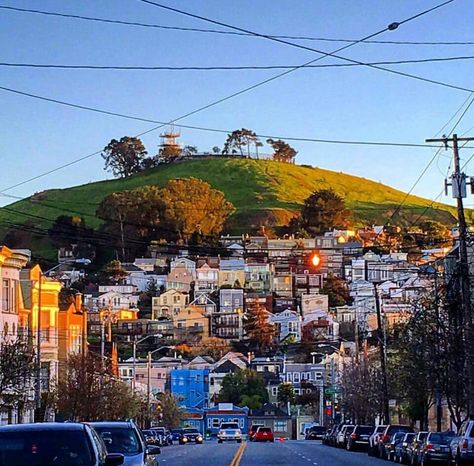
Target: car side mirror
<point>153,450</point>
<point>114,459</point>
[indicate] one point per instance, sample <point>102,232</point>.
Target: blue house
<point>190,387</point>
<point>194,417</point>
<point>225,412</point>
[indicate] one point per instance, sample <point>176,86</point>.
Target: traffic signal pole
<point>458,184</point>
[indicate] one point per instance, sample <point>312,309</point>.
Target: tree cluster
<point>260,332</point>
<point>184,210</point>
<point>244,388</point>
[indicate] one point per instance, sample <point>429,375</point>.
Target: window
<point>6,295</point>
<point>274,391</point>
<point>215,422</point>
<point>165,300</point>
<point>296,377</point>
<point>280,426</point>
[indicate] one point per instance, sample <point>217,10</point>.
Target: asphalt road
<point>293,453</point>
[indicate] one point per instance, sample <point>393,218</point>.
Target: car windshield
<point>380,429</point>
<point>45,447</point>
<point>191,431</point>
<point>393,429</point>
<point>440,438</point>
<point>265,429</point>
<point>409,437</point>
<point>177,431</point>
<point>229,425</point>
<point>120,439</point>
<point>317,429</point>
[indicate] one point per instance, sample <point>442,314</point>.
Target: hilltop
<point>263,192</point>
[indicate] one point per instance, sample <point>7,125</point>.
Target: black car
<point>435,449</point>
<point>190,435</point>
<point>359,438</point>
<point>54,444</point>
<point>315,433</point>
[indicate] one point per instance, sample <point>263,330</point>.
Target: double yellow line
<point>238,455</point>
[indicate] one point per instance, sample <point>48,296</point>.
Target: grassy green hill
<point>263,192</point>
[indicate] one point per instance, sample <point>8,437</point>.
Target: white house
<point>288,325</point>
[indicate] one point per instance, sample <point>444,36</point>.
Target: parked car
<point>414,450</point>
<point>164,435</point>
<point>374,440</point>
<point>328,434</point>
<point>54,443</point>
<point>229,432</point>
<point>462,447</point>
<point>343,435</point>
<point>359,437</point>
<point>190,435</point>
<point>401,449</point>
<point>315,433</point>
<point>435,449</point>
<point>385,438</point>
<point>390,448</point>
<point>176,434</point>
<point>253,431</point>
<point>264,434</point>
<point>124,437</point>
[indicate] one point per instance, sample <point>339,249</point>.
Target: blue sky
<point>334,103</point>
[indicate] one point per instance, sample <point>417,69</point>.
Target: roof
<point>111,424</point>
<point>43,426</point>
<point>268,408</point>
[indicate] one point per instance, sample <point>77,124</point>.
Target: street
<point>294,453</point>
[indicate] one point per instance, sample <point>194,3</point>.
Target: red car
<point>264,434</point>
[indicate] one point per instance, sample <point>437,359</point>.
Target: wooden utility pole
<point>458,184</point>
<point>383,357</point>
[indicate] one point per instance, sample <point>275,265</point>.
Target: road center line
<point>238,455</point>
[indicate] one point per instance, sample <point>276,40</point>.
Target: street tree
<point>193,209</point>
<point>89,391</point>
<point>17,367</point>
<point>337,290</point>
<point>282,151</point>
<point>435,234</point>
<point>239,142</point>
<point>216,150</point>
<point>171,411</point>
<point>189,151</point>
<point>259,330</point>
<point>286,394</point>
<point>113,273</point>
<point>124,157</point>
<point>324,210</point>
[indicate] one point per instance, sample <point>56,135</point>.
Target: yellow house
<point>190,324</point>
<point>40,296</point>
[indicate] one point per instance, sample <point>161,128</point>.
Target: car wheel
<point>239,441</point>
<point>459,460</point>
<point>219,441</point>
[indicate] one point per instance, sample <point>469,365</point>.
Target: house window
<point>274,391</point>
<point>280,426</point>
<point>216,422</point>
<point>296,377</point>
<point>5,295</point>
<point>165,300</point>
<point>319,375</point>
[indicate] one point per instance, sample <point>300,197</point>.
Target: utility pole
<point>148,391</point>
<point>38,353</point>
<point>458,184</point>
<point>383,359</point>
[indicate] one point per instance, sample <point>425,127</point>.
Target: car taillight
<point>353,435</point>
<point>465,444</point>
<point>428,446</point>
<point>386,438</point>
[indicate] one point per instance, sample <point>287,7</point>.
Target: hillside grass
<point>261,191</point>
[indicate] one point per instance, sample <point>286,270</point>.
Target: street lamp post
<point>38,330</point>
<point>148,388</point>
<point>135,343</point>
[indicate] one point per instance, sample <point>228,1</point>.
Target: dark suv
<point>54,443</point>
<point>386,437</point>
<point>359,437</point>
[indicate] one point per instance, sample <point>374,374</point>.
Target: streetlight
<point>148,390</point>
<point>135,343</point>
<point>82,261</point>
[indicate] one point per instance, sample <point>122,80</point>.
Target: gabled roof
<point>268,410</point>
<point>227,367</point>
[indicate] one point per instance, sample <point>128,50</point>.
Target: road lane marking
<point>238,455</point>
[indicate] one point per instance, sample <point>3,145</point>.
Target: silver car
<point>126,438</point>
<point>462,447</point>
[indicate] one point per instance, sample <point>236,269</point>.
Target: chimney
<point>78,301</point>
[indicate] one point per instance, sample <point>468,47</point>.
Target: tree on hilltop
<point>238,140</point>
<point>125,157</point>
<point>282,151</point>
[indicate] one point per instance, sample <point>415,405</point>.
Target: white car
<point>229,432</point>
<point>341,436</point>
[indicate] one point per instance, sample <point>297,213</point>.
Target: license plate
<point>443,449</point>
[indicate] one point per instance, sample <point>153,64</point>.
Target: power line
<point>225,68</point>
<point>207,106</point>
<point>391,27</point>
<point>232,33</point>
